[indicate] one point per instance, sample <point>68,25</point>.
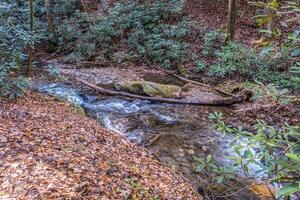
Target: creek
<point>173,133</point>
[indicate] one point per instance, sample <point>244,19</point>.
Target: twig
<point>243,188</point>
<point>289,147</point>
<point>236,184</point>
<point>153,140</point>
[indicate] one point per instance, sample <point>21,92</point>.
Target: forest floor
<point>50,151</point>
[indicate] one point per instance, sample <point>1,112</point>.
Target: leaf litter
<point>48,151</point>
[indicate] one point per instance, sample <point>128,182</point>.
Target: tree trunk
<point>231,20</point>
<point>49,17</point>
<point>30,53</point>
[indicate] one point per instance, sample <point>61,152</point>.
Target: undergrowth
<point>234,59</point>
<point>274,153</point>
<point>14,39</point>
<point>136,31</point>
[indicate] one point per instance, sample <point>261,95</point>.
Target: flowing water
<point>174,133</point>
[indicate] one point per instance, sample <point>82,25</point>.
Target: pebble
<point>204,148</point>
<point>191,152</point>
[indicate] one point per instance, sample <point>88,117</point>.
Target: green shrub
<point>247,63</point>
<point>212,41</point>
<point>234,59</point>
<point>200,65</point>
<point>153,32</point>
<point>14,40</point>
<point>293,81</point>
<point>68,22</point>
<point>275,152</point>
<point>11,85</point>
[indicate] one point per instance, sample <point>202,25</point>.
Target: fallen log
<point>197,83</point>
<point>219,102</point>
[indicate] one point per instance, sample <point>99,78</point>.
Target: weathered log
<point>219,102</point>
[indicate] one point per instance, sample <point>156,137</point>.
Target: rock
<point>149,88</point>
<point>191,152</point>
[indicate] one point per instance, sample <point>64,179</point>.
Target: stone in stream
<point>149,88</point>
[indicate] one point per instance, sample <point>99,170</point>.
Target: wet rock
<point>149,88</point>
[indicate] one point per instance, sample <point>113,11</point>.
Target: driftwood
<point>219,102</point>
<point>197,83</point>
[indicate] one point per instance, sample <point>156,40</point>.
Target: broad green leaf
<point>288,190</point>
<point>296,52</point>
<point>294,157</point>
<point>208,158</point>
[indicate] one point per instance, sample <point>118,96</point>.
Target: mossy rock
<point>150,89</point>
<point>182,70</point>
<point>187,87</point>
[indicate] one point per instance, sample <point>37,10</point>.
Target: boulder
<point>149,88</point>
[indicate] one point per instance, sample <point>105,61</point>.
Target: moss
<point>182,70</point>
<point>149,89</point>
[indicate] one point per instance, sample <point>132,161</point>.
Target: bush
<point>138,31</point>
<point>275,152</point>
<point>234,59</point>
<point>247,63</point>
<point>14,38</point>
<point>211,41</point>
<point>294,80</point>
<point>11,85</point>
